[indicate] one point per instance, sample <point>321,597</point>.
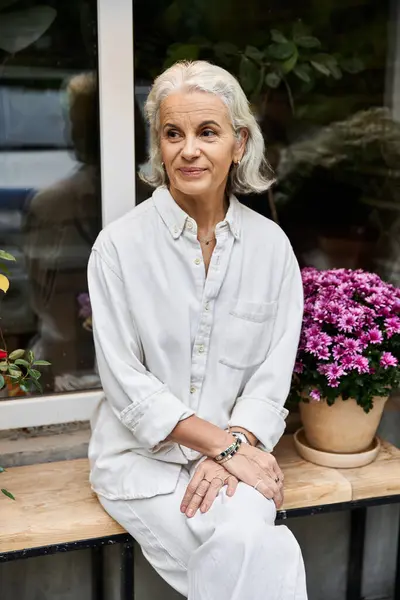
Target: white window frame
<point>117,149</point>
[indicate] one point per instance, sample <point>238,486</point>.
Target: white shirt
<point>172,342</point>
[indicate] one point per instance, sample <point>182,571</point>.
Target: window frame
<point>117,131</point>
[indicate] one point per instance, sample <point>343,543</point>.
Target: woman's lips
<point>192,171</point>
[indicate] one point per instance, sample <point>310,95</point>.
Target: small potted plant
<point>18,369</point>
<point>348,357</point>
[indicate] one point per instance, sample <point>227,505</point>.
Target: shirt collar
<point>175,217</point>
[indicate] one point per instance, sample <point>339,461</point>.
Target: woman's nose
<point>190,149</point>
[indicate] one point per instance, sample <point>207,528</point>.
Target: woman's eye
<point>208,133</point>
<point>172,134</point>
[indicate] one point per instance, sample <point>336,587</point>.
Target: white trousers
<point>232,552</point>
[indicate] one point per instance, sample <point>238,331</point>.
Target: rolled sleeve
<point>155,417</point>
<point>260,408</point>
<point>140,400</point>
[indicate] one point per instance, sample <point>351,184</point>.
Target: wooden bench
<point>56,511</point>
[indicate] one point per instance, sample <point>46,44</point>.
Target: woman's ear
<point>241,141</point>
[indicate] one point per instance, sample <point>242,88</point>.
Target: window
<point>321,78</point>
<point>61,120</point>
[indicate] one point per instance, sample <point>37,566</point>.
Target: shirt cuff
<point>263,418</point>
<point>153,419</point>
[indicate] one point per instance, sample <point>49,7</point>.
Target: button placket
<point>209,290</point>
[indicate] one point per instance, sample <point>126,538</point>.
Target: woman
<point>197,306</point>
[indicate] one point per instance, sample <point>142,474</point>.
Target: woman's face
<point>198,144</point>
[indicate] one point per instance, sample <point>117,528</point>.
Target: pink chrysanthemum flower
<point>350,335</point>
<point>315,395</point>
<point>388,360</point>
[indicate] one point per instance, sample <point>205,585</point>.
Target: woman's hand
<point>205,485</point>
<point>258,469</point>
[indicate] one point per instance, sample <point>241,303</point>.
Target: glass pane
<point>50,203</point>
<point>322,80</point>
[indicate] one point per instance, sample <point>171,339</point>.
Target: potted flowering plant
<point>348,357</point>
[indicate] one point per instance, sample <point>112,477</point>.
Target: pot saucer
<point>332,459</point>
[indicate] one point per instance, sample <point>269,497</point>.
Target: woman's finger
<point>268,488</point>
<point>191,489</point>
<point>215,486</point>
<point>197,498</point>
<point>277,471</point>
<point>232,483</point>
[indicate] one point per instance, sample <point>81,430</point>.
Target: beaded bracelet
<point>224,460</point>
<point>229,452</point>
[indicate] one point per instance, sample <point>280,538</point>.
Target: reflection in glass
<point>321,78</point>
<point>50,211</point>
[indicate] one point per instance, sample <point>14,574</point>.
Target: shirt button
<point>197,261</point>
<point>190,225</point>
<point>192,389</point>
<point>201,348</point>
<point>176,229</point>
<point>207,306</point>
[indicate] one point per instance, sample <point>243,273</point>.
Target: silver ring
<point>197,494</point>
<point>257,484</point>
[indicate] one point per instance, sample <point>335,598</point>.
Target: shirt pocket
<point>248,333</point>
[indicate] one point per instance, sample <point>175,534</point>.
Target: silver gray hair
<point>252,175</point>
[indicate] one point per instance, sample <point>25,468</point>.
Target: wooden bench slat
<point>54,503</point>
<point>380,478</point>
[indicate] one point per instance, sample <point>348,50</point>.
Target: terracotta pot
<point>343,427</point>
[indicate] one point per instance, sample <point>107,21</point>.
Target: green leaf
<point>24,388</point>
<point>248,74</point>
<point>6,256</point>
<point>224,51</point>
<point>307,41</point>
<point>14,368</point>
<point>34,373</point>
<point>20,29</point>
<point>4,269</point>
<point>330,62</point>
<point>352,65</point>
<point>8,494</point>
<point>182,52</point>
<point>336,71</point>
<point>42,363</point>
<point>4,366</point>
<point>278,37</point>
<point>37,385</point>
<point>281,51</point>
<point>2,383</point>
<point>302,72</point>
<point>30,356</point>
<point>254,53</point>
<point>273,80</point>
<point>16,354</point>
<point>321,68</point>
<point>290,63</point>
<point>2,470</point>
<point>24,363</point>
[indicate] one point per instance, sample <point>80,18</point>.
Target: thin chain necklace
<point>206,242</point>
